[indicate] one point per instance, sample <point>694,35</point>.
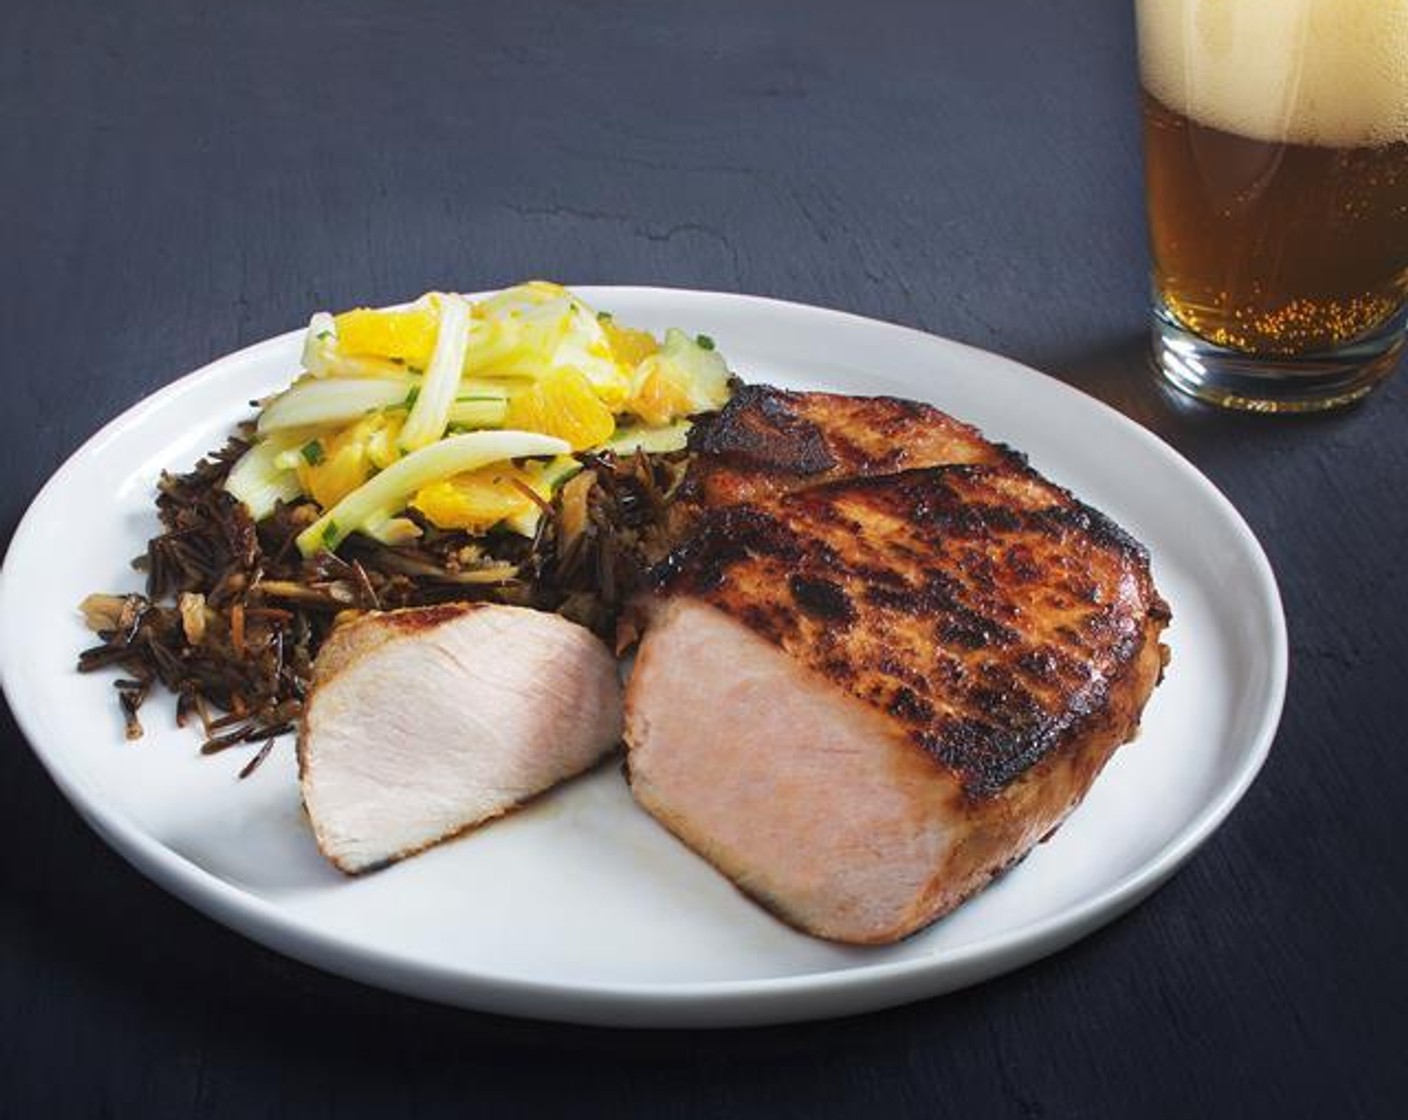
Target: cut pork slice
<point>427,721</point>
<point>862,700</point>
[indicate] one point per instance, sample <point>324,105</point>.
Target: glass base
<point>1311,383</point>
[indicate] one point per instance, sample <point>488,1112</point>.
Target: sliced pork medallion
<point>862,700</point>
<point>427,721</point>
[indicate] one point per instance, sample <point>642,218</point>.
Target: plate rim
<point>794,997</point>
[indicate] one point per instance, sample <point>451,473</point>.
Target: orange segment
<point>562,403</point>
<point>330,469</point>
<point>405,335</point>
<point>660,394</point>
<point>628,345</point>
<point>476,500</point>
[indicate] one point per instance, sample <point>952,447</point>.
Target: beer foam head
<point>1326,72</point>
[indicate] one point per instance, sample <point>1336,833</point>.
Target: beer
<point>1276,152</point>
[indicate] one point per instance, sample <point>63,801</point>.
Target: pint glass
<point>1276,163</point>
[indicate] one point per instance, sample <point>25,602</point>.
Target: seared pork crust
<point>991,615</point>
<point>766,440</point>
<point>896,685</point>
<point>356,634</point>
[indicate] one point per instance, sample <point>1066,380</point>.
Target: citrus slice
<point>407,336</point>
<point>629,347</point>
<point>476,500</point>
<point>660,393</point>
<point>562,403</point>
<point>332,467</point>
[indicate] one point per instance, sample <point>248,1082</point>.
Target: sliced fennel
<point>585,346</point>
<point>479,412</point>
<point>538,326</point>
<point>390,489</point>
<point>669,437</point>
<point>480,403</point>
<point>333,401</point>
<point>389,529</point>
<point>704,369</point>
<point>430,415</point>
<point>259,480</point>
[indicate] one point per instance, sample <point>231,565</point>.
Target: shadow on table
<point>1119,373</point>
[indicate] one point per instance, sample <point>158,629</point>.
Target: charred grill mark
<point>978,568</point>
<point>980,606</point>
<point>861,460</point>
<point>910,677</point>
<point>759,428</point>
<point>934,596</point>
<point>908,706</point>
<point>769,621</point>
<point>991,749</point>
<point>1020,564</point>
<point>1040,664</point>
<point>1011,706</point>
<point>888,579</point>
<point>1101,533</point>
<point>1012,457</point>
<point>725,538</point>
<point>839,669</point>
<point>949,669</point>
<point>903,599</point>
<point>970,630</point>
<point>822,598</point>
<point>1083,589</point>
<point>940,588</point>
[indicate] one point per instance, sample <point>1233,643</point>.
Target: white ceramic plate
<point>581,908</point>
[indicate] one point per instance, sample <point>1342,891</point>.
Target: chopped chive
<point>330,535</point>
<point>704,341</point>
<point>411,396</point>
<point>323,336</point>
<point>604,316</point>
<point>414,369</point>
<point>312,453</point>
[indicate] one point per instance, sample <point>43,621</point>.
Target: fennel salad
<point>426,408</point>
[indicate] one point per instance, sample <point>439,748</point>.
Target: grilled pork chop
<point>424,722</point>
<point>862,699</point>
<point>767,440</point>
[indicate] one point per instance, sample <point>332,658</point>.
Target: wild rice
<point>233,615</point>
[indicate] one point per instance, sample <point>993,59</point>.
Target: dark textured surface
<point>177,179</point>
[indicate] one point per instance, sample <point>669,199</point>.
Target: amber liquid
<point>1267,248</point>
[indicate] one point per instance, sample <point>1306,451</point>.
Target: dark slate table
<point>179,179</point>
